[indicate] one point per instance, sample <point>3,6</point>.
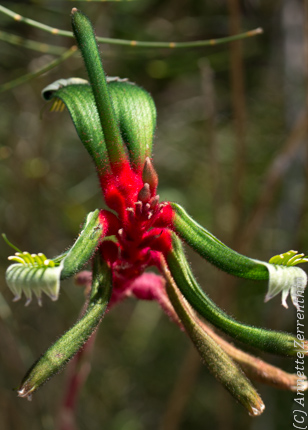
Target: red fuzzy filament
<point>141,225</point>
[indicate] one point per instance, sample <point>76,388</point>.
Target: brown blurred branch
<point>209,103</point>
<point>181,392</point>
<point>79,367</point>
<point>254,367</point>
<point>239,118</point>
<point>273,177</point>
<point>239,111</point>
<point>78,371</point>
<point>304,207</point>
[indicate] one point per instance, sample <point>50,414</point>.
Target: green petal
<point>279,271</point>
<point>53,360</point>
<point>35,274</point>
<point>265,340</point>
<point>134,110</point>
<point>136,114</point>
<point>79,100</point>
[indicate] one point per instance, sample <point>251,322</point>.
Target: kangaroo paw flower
<point>115,121</point>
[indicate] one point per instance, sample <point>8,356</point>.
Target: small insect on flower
<point>115,120</point>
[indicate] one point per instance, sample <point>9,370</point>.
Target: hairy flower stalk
<point>115,120</point>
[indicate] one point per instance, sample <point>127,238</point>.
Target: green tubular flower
<point>70,343</point>
<point>280,271</point>
<point>216,359</point>
<point>37,274</point>
<point>265,340</point>
<point>115,121</point>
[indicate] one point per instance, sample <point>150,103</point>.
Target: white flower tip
<point>28,301</point>
<point>254,412</point>
<point>21,393</point>
<point>303,386</point>
<point>24,393</point>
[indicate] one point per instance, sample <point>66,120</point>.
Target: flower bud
<point>149,175</point>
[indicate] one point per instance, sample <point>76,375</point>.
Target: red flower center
<point>141,224</point>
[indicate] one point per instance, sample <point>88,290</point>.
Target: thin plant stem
<point>99,1</point>
<point>134,43</point>
<point>28,77</point>
<point>44,48</point>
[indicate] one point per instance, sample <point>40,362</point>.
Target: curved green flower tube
<point>35,274</point>
<point>219,363</point>
<point>280,271</point>
<point>213,250</point>
<point>266,340</point>
<point>53,360</point>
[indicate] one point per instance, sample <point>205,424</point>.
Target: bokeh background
<point>230,146</point>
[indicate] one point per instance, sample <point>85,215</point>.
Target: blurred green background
<point>230,146</point>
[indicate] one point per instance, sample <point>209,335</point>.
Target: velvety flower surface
<point>115,120</point>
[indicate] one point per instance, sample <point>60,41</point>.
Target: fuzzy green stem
<point>266,340</point>
<point>85,37</point>
<point>215,358</point>
<point>213,250</point>
<point>53,360</point>
<point>85,246</point>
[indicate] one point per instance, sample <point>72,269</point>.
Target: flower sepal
<point>36,274</point>
<point>285,278</point>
